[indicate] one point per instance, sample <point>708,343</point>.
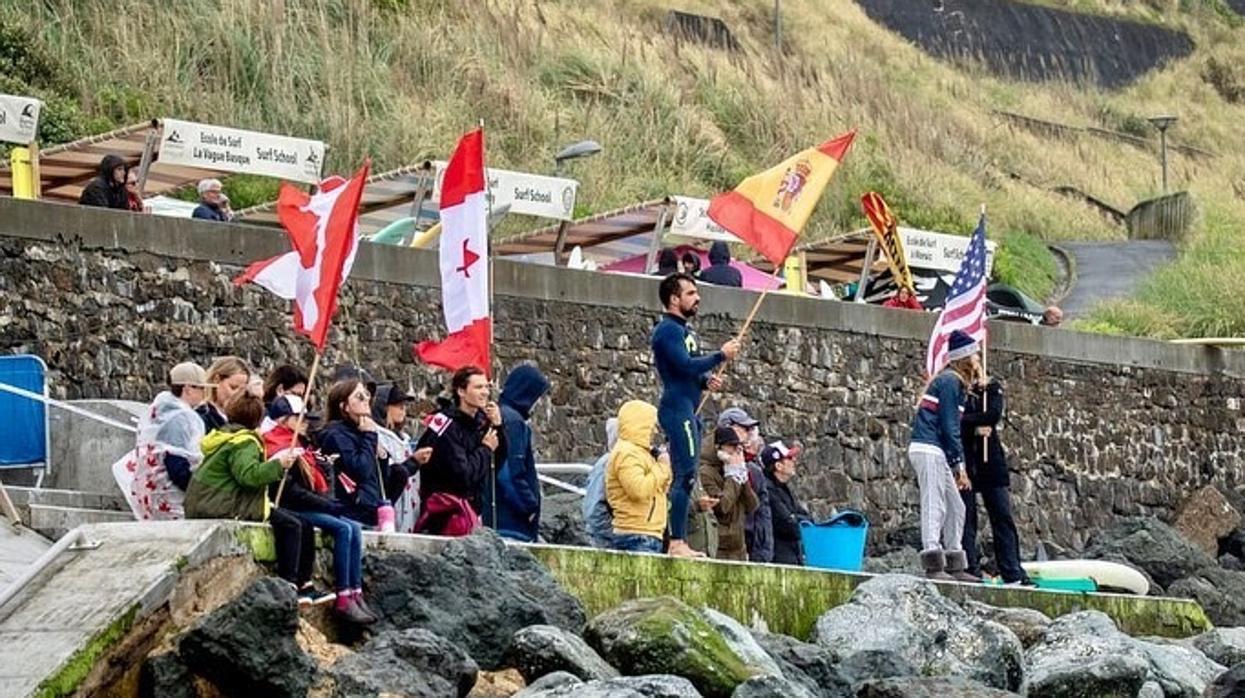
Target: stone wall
<point>1098,427</point>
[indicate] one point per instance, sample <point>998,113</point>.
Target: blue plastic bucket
<point>837,543</point>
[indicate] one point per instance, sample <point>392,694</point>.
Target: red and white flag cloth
<point>323,229</point>
<point>965,307</point>
<point>464,262</point>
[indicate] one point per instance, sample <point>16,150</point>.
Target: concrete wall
<point>1098,426</point>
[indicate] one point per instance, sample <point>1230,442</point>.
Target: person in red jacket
<point>905,299</point>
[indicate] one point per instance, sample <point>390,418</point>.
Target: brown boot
<point>933,562</point>
<point>957,567</point>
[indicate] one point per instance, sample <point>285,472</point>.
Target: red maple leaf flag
<point>323,230</point>
<point>464,262</point>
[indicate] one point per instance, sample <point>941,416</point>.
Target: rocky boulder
<point>811,666</point>
<point>1220,592</point>
<point>658,686</point>
<point>247,646</point>
<point>906,621</point>
<point>1229,684</point>
<point>476,593</point>
<point>666,636</point>
<point>772,687</point>
<point>1085,655</point>
<point>929,687</point>
<point>1028,625</point>
<point>412,662</point>
<point>562,520</point>
<point>1224,646</point>
<point>1205,517</point>
<point>741,642</point>
<point>1151,545</point>
<point>543,649</point>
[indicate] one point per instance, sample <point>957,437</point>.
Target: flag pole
<point>743,332</point>
<point>298,423</point>
<point>985,391</point>
<point>488,256</point>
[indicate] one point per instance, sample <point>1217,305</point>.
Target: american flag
<point>965,309</point>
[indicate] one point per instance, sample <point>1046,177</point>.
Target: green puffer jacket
<point>232,482</point>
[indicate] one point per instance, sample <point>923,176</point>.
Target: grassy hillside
<point>400,80</point>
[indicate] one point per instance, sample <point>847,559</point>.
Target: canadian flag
<point>464,262</point>
<point>323,228</point>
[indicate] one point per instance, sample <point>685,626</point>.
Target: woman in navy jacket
<point>351,436</point>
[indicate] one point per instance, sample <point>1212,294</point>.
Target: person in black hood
<point>667,262</point>
<point>720,272</point>
<point>107,190</point>
<point>514,484</point>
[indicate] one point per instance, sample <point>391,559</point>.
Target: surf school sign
<point>19,119</point>
<point>526,194</point>
<point>188,144</point>
<point>691,219</point>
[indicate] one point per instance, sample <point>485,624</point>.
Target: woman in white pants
<point>937,456</point>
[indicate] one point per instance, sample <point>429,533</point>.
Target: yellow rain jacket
<point>636,483</point>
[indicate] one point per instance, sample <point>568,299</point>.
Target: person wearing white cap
<point>937,456</point>
<point>167,448</point>
<point>212,202</point>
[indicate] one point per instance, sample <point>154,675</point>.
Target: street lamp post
<point>1162,123</point>
<point>581,149</point>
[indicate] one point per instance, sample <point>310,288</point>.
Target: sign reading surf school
<point>691,219</point>
<point>209,147</point>
<point>19,119</point>
<point>939,251</point>
<point>526,194</point>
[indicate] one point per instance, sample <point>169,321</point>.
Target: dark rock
<point>1224,646</point>
<point>164,675</point>
<point>928,687</point>
<point>1205,516</point>
<point>542,649</point>
<point>809,665</point>
<point>907,617</point>
<point>1231,562</point>
<point>1151,545</point>
<point>412,662</point>
<point>867,665</point>
<point>652,686</point>
<point>247,646</point>
<point>666,636</point>
<point>772,687</point>
<point>1233,544</point>
<point>1028,624</point>
<point>1084,654</point>
<point>562,520</point>
<point>555,679</point>
<point>1229,684</point>
<point>1220,592</point>
<point>476,593</point>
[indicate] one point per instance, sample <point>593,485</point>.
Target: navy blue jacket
<point>720,272</point>
<point>209,213</point>
<point>683,371</point>
<point>518,489</point>
<point>356,459</point>
<point>985,473</point>
<point>759,525</point>
<point>937,420</point>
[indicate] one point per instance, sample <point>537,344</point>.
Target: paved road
<point>1110,270</point>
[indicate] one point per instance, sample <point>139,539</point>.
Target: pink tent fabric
<point>754,279</point>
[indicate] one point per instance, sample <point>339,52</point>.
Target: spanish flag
<point>768,210</point>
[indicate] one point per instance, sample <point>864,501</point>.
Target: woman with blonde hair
<point>229,375</point>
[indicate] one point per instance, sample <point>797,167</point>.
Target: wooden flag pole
<point>743,332</point>
<point>985,375</point>
<point>488,256</point>
<point>298,423</point>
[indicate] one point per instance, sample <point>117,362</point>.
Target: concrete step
<point>19,547</point>
<point>54,521</point>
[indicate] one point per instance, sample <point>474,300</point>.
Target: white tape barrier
<point>68,408</point>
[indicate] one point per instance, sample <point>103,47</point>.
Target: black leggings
<point>295,541</point>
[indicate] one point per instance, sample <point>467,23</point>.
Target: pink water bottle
<point>386,519</point>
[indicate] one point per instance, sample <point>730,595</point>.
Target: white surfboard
<point>1107,575</point>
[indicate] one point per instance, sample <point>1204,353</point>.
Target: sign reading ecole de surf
<point>208,147</point>
<point>19,119</point>
<point>526,194</point>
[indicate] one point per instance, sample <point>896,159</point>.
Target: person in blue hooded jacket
<point>684,373</point>
<point>937,455</point>
<point>515,483</point>
<point>720,272</point>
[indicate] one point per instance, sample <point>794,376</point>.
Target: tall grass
<point>401,80</point>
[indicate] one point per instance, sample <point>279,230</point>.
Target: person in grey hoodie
<point>598,518</point>
<point>720,272</point>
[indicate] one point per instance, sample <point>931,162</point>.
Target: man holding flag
<point>936,451</point>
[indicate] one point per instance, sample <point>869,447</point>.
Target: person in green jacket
<point>232,483</point>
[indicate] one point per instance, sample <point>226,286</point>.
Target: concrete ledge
<point>241,244</point>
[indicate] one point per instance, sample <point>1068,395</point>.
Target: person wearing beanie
<point>937,456</point>
<point>726,481</point>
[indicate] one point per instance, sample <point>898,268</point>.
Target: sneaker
<point>309,595</point>
<point>352,613</point>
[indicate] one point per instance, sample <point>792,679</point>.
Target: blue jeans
<point>636,543</point>
<point>347,538</point>
<point>683,433</point>
<point>1006,540</point>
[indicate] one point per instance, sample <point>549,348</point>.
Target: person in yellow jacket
<point>636,482</point>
